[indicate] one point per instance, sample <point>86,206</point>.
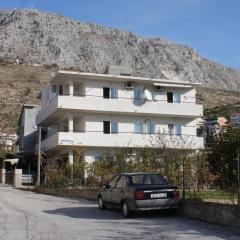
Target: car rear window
<point>147,179</point>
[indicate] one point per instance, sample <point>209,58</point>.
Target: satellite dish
<point>148,95</point>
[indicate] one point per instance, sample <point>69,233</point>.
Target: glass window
<point>176,97</point>
<point>106,92</point>
<point>171,129</point>
<point>106,127</point>
<point>178,129</point>
<point>138,128</point>
<point>121,182</point>
<point>114,127</point>
<point>98,158</point>
<point>112,184</point>
<point>114,93</point>
<point>152,128</point>
<point>137,94</point>
<point>170,97</point>
<point>54,89</point>
<point>147,179</point>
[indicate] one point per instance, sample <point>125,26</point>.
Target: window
<point>112,184</point>
<point>152,129</point>
<point>176,97</point>
<point>121,182</point>
<point>114,127</point>
<point>170,97</point>
<point>138,128</point>
<point>178,129</point>
<point>106,127</point>
<point>171,129</point>
<point>174,129</point>
<point>61,90</point>
<point>110,127</point>
<point>147,179</point>
<point>98,158</point>
<point>137,94</point>
<point>110,93</point>
<point>106,92</point>
<point>114,93</point>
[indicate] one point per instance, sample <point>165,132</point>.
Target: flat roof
<point>63,75</point>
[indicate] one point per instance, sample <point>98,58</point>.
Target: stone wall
<point>85,193</point>
<point>218,213</point>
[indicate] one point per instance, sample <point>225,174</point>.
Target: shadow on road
<point>148,225</point>
<point>86,213</point>
<point>93,212</point>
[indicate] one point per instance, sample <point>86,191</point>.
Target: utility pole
<point>39,155</point>
<point>183,177</point>
<point>238,179</point>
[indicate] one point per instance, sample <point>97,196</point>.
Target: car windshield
<point>147,179</point>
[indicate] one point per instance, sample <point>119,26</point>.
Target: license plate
<point>159,195</point>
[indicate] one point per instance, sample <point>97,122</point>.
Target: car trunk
<point>156,192</point>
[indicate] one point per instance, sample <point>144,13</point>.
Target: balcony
<point>99,139</point>
<point>123,106</point>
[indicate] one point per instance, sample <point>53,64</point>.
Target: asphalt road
<point>26,215</point>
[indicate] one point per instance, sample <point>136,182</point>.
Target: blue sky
<point>212,27</point>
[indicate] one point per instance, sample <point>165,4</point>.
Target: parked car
<point>138,192</point>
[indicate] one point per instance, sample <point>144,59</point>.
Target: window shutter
<point>152,128</point>
<point>176,97</point>
<point>114,127</point>
<point>178,129</point>
<point>138,128</point>
<point>114,93</point>
<point>137,94</point>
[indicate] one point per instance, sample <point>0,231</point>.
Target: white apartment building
<point>100,112</point>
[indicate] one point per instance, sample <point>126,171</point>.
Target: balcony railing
<point>99,139</point>
<point>192,100</point>
<point>129,106</point>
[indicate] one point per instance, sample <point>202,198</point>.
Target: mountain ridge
<point>45,38</point>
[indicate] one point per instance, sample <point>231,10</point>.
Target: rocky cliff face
<point>44,38</point>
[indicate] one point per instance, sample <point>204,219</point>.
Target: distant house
<point>214,124</point>
<point>27,132</point>
<point>8,141</point>
<point>235,118</point>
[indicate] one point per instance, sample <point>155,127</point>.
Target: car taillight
<point>139,195</point>
<point>175,193</point>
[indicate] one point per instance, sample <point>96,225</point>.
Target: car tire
<point>101,205</point>
<point>125,210</point>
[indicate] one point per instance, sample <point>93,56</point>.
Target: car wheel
<point>101,206</point>
<point>125,210</point>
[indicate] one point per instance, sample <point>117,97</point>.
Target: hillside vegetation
<point>44,38</point>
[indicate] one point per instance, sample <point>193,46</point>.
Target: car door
<point>118,191</point>
<point>106,193</point>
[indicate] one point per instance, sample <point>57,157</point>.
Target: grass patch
<point>211,194</point>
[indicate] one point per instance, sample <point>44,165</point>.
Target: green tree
<point>225,149</point>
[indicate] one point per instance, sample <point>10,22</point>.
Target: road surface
<point>30,216</point>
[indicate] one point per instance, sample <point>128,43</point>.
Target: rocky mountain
<point>43,38</point>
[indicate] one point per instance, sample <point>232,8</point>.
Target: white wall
<point>96,88</point>
<point>94,122</point>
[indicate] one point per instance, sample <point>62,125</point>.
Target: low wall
<point>218,213</point>
<point>85,193</point>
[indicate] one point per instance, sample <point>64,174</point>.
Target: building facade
<point>235,118</point>
<point>100,112</point>
<point>27,129</point>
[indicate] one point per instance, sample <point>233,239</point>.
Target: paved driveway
<point>25,216</point>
